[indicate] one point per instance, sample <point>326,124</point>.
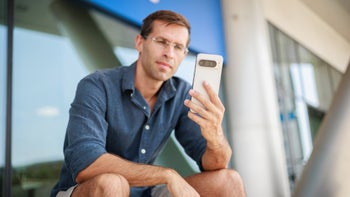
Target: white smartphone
<point>208,68</point>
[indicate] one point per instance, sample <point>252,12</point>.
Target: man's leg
<point>223,183</point>
<point>103,185</point>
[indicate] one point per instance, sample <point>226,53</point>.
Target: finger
<point>213,96</point>
<point>202,99</point>
<point>209,111</point>
<point>203,117</point>
<point>210,129</point>
<point>196,109</point>
<point>195,117</point>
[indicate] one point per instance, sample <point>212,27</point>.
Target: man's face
<point>162,51</point>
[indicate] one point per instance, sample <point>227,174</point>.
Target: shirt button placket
<point>143,150</point>
<point>147,127</point>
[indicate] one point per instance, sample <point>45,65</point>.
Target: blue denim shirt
<point>109,114</point>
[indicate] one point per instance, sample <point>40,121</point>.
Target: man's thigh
<point>224,182</point>
<point>157,191</point>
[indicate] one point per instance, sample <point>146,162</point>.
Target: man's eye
<point>178,47</point>
<point>163,42</point>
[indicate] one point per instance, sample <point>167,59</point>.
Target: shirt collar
<point>167,90</point>
<point>128,78</point>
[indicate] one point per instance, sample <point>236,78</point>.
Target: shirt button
<point>131,95</point>
<point>144,107</point>
<point>147,127</point>
<point>143,151</point>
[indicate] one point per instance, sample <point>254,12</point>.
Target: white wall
<point>296,19</point>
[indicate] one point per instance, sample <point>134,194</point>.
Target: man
<point>121,118</point>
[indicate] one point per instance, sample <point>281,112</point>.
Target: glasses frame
<point>166,43</point>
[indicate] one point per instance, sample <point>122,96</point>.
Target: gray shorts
<point>157,191</point>
<point>160,191</point>
<point>66,193</point>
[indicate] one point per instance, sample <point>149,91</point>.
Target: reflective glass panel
<point>2,102</point>
<point>3,84</point>
<point>305,86</point>
<point>46,70</point>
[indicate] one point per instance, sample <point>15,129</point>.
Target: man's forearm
<point>217,157</point>
<point>136,174</point>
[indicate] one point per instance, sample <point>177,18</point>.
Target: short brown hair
<point>169,17</point>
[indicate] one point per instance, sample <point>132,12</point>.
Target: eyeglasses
<point>164,43</point>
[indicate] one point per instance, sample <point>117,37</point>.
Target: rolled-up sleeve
<point>87,127</point>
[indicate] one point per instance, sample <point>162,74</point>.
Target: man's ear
<point>138,42</point>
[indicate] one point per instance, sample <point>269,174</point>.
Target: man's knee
<point>230,175</point>
<point>224,182</point>
<point>107,184</point>
<point>231,181</point>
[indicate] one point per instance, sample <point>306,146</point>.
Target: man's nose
<point>169,50</point>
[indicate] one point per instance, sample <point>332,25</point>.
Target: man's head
<point>169,17</point>
<point>162,45</point>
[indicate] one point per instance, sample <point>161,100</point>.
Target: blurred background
<point>285,83</point>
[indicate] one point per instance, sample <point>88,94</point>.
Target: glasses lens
<point>164,43</point>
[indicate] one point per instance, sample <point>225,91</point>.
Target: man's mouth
<point>164,65</point>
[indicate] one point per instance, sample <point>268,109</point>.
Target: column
<point>252,109</point>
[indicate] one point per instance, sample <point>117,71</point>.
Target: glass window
<point>2,102</point>
<point>3,84</point>
<point>305,86</point>
<point>46,70</point>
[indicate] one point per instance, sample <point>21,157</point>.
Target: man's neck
<point>148,88</point>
